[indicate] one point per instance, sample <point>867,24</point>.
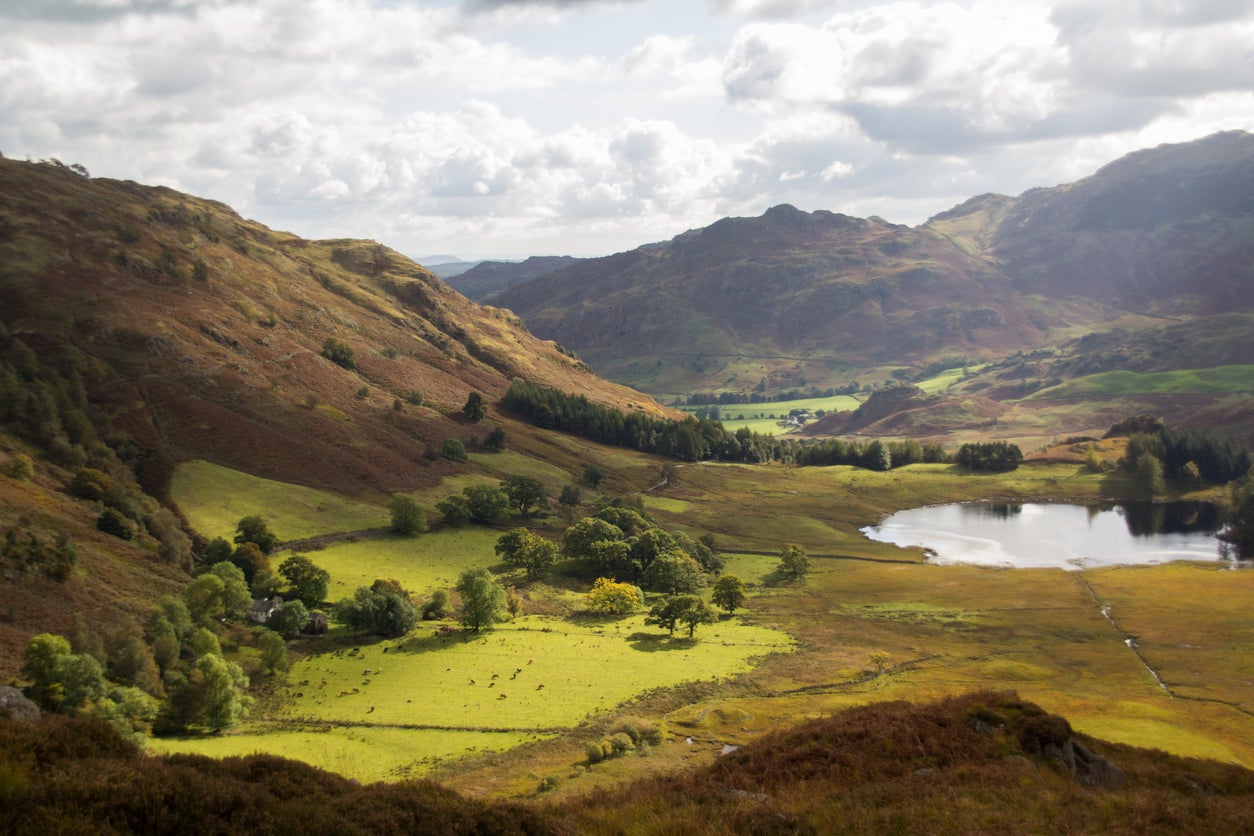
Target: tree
<point>407,518</point>
<point>878,456</point>
<point>455,510</point>
<point>525,493</point>
<point>112,521</point>
<point>571,496</point>
<point>494,442</point>
<point>250,560</point>
<point>475,408</point>
<point>483,598</point>
<point>236,597</point>
<point>222,703</point>
<point>289,619</point>
<point>1147,472</point>
<point>454,450</point>
<point>61,680</point>
<point>309,582</point>
<point>486,503</point>
<point>339,353</point>
<point>273,652</point>
<point>531,552</point>
<point>579,539</point>
<point>253,529</point>
<point>793,562</point>
<point>218,550</point>
<point>383,608</point>
<point>673,571</point>
<point>687,610</point>
<point>729,593</point>
<point>592,475</point>
<point>437,607</point>
<point>610,596</point>
<point>134,664</point>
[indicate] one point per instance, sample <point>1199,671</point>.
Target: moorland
<point>172,371</point>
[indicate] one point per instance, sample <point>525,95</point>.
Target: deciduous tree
<point>483,598</point>
<point>729,593</point>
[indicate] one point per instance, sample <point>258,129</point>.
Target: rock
<point>15,705</point>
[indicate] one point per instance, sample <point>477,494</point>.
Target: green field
<point>1219,380</point>
<point>214,499</point>
<point>756,416</point>
<point>871,622</point>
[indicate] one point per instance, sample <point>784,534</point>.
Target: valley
<point>189,401</point>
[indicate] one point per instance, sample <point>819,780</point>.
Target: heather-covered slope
<point>202,334</point>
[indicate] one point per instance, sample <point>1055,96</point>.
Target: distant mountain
<point>488,278</point>
<point>1143,251</point>
<point>447,269</point>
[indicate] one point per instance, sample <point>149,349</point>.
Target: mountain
<point>199,334</point>
<point>1122,264</point>
<point>488,278</point>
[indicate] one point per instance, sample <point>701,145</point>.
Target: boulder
<point>15,705</point>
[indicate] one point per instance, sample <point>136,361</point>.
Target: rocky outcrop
<point>15,705</point>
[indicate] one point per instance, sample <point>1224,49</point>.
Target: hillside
<point>1108,273</point>
<point>489,278</point>
<point>202,335</point>
<point>984,763</point>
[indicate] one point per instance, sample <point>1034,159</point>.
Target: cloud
<point>764,9</point>
<point>91,11</point>
<point>953,78</point>
<point>494,5</point>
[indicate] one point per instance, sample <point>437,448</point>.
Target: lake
<point>1056,535</point>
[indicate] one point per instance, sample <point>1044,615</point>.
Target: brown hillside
<point>203,332</point>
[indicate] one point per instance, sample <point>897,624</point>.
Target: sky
<point>508,128</point>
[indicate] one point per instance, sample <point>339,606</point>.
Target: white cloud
<point>583,127</point>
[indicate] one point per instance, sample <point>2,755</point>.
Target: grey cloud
<point>90,11</point>
<point>493,5</point>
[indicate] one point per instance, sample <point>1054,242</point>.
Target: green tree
<point>486,503</point>
<point>407,518</point>
<point>273,652</point>
<point>112,521</point>
<point>134,664</point>
<point>218,550</point>
<point>535,554</point>
<point>579,539</point>
<point>204,597</point>
<point>223,703</point>
<point>615,598</point>
<point>1147,472</point>
<point>251,560</point>
<point>475,408</point>
<point>454,450</point>
<point>673,571</point>
<point>289,619</point>
<point>339,353</point>
<point>437,606</point>
<point>383,608</point>
<point>593,475</point>
<point>878,456</point>
<point>686,610</point>
<point>495,440</point>
<point>455,510</point>
<point>253,529</point>
<point>525,493</point>
<point>571,496</point>
<point>729,593</point>
<point>483,598</point>
<point>236,597</point>
<point>61,680</point>
<point>309,581</point>
<point>793,562</point>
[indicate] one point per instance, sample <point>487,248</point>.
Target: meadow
<point>870,622</point>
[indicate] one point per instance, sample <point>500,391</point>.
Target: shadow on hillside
<point>653,642</point>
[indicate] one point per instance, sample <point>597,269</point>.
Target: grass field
<point>1219,380</point>
<point>214,499</point>
<point>871,622</point>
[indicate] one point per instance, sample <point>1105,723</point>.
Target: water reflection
<point>1057,535</point>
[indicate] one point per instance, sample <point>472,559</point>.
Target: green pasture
<point>756,415</point>
<point>1216,381</point>
<point>422,563</point>
<point>366,753</point>
<point>214,499</point>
